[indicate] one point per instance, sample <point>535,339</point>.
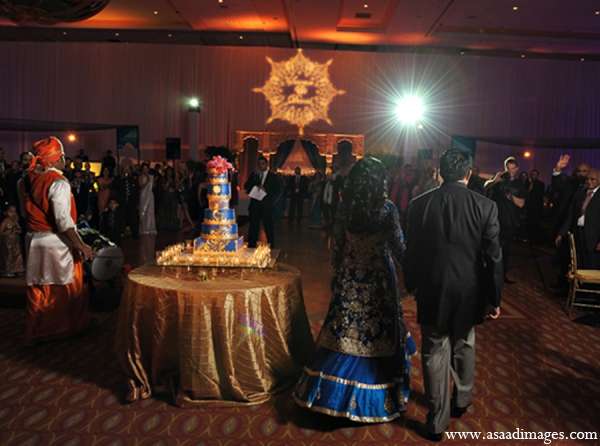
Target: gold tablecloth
<point>212,335</point>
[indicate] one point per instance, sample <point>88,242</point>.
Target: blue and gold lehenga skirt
<point>363,389</point>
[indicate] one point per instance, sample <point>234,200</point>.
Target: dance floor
<point>537,372</point>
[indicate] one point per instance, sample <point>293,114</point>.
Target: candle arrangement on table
<point>182,254</point>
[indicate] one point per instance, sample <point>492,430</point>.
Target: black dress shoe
<point>457,412</point>
<point>423,432</point>
<point>508,281</point>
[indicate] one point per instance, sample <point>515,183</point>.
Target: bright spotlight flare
<point>194,105</point>
<point>410,109</point>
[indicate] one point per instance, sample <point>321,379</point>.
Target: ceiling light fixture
<point>117,34</point>
<point>50,12</point>
<point>155,12</point>
<point>522,55</point>
<point>515,8</point>
<point>241,37</point>
<point>365,5</point>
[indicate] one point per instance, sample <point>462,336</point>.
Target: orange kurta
<point>52,310</point>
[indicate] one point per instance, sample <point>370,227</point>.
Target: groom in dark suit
<point>262,209</point>
<point>453,266</point>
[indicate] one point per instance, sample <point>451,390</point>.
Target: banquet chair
<point>582,281</point>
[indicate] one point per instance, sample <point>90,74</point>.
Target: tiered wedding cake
<point>219,230</point>
<point>219,243</point>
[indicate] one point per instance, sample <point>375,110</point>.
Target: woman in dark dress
<point>167,219</point>
<point>361,367</point>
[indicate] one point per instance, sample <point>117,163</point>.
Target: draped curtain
<point>106,83</point>
<point>248,160</point>
<point>283,151</point>
<point>312,151</point>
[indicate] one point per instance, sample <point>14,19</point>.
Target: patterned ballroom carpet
<point>537,371</point>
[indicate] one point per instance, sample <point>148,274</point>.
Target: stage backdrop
<point>148,86</point>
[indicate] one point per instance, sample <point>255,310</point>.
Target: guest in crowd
<point>4,166</point>
<point>233,176</point>
<point>315,194</point>
<point>297,189</point>
<point>112,222</point>
<point>109,161</point>
<point>279,204</point>
<point>11,178</point>
<point>128,197</point>
<point>426,182</point>
<point>524,179</point>
<point>147,217</point>
<point>404,183</point>
<point>11,254</point>
<point>509,194</point>
<point>167,211</point>
<point>263,187</point>
<point>89,176</point>
<point>331,196</point>
<point>25,161</point>
<point>81,155</point>
<point>361,367</point>
<point>77,166</point>
<point>535,208</point>
<point>198,200</point>
<point>583,221</point>
<point>476,183</point>
<point>105,187</point>
<point>453,266</point>
<point>565,188</point>
<point>68,170</point>
<point>57,303</point>
<point>81,194</point>
<point>184,185</point>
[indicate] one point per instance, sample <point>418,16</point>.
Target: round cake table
<point>219,336</point>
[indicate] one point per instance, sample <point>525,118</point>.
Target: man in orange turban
<point>57,302</point>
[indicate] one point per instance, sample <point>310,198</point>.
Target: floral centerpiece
<point>218,165</point>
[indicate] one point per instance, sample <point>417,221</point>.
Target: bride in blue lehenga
<point>361,368</point>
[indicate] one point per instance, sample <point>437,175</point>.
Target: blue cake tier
<point>219,216</point>
<point>219,231</point>
<point>214,178</point>
<point>211,245</point>
<point>219,190</point>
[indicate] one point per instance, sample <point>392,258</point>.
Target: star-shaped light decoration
<point>299,91</point>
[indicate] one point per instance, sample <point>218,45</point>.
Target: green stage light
<point>194,105</point>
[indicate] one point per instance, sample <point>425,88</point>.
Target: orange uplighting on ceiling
<point>358,38</point>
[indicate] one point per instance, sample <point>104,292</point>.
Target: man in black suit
<point>128,197</point>
<point>566,191</point>
<point>535,208</point>
<point>297,189</point>
<point>453,266</point>
<point>81,194</point>
<point>583,220</point>
<point>266,182</point>
<point>509,194</point>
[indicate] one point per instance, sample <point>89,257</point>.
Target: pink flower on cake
<point>219,164</point>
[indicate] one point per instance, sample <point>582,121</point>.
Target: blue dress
<point>361,368</point>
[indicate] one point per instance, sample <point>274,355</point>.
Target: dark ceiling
<point>563,29</point>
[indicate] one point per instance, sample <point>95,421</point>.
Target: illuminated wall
<point>148,85</point>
